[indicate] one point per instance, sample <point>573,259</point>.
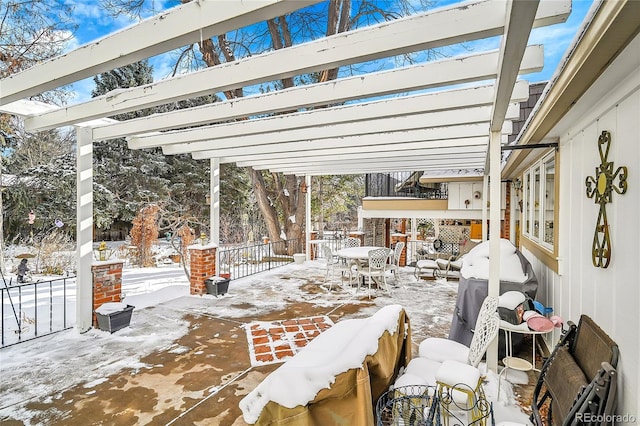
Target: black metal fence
<point>36,309</point>
<point>247,260</point>
<point>403,184</point>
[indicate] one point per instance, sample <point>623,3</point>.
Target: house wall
<point>610,296</point>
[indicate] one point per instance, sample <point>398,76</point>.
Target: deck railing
<point>242,261</point>
<point>36,309</point>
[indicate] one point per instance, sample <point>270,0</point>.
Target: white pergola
<point>454,112</point>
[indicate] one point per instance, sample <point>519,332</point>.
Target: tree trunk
<point>284,191</point>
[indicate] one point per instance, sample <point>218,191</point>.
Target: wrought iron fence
<point>403,184</point>
<point>242,261</point>
<point>36,309</point>
<point>431,249</point>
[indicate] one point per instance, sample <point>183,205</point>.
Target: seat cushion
<point>440,349</point>
<point>454,373</point>
<point>426,263</point>
<point>424,368</point>
<point>564,379</point>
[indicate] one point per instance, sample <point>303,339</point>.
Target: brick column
<point>506,224</point>
<point>313,235</point>
<point>396,238</point>
<point>203,266</point>
<point>107,284</point>
<point>359,235</point>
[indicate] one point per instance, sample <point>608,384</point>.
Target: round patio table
<point>356,253</point>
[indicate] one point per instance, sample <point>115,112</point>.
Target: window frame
<point>532,214</point>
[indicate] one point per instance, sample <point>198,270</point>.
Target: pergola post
<point>494,234</point>
<point>485,190</point>
<point>84,231</point>
<point>214,207</point>
<point>307,217</point>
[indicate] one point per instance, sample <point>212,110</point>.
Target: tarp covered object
<point>471,293</point>
<point>359,359</point>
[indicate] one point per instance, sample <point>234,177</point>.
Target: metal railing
<point>36,309</point>
<point>247,260</point>
<point>403,184</point>
<point>425,249</point>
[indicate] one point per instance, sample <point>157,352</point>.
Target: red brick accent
<point>107,284</point>
<point>203,266</point>
<point>313,235</point>
<point>506,224</point>
<point>395,238</point>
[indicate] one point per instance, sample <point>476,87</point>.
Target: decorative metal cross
<point>601,188</point>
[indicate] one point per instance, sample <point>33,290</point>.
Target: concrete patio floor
<point>200,378</point>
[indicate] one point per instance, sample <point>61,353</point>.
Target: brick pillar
<point>506,224</point>
<point>359,235</point>
<point>396,238</point>
<point>107,284</point>
<point>203,266</point>
<point>313,235</point>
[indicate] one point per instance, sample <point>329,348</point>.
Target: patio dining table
<point>356,253</point>
<point>360,255</point>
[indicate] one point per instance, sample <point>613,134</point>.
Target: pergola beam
<point>277,131</point>
<point>425,31</point>
<point>429,75</point>
<point>424,160</point>
<point>169,30</point>
<point>382,166</point>
<point>306,157</point>
<point>226,148</point>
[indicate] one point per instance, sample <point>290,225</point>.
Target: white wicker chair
<point>334,264</point>
<point>394,265</point>
<point>453,367</point>
<point>376,267</point>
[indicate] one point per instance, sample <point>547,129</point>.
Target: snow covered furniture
<point>449,268</point>
<point>337,377</point>
<point>334,264</point>
<point>376,268</point>
<point>394,265</point>
<point>579,378</point>
<point>453,367</point>
<point>425,268</point>
<point>516,274</point>
<point>485,330</point>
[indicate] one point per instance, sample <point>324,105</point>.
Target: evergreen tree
<point>126,179</point>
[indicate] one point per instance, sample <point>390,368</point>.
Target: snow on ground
<point>51,364</point>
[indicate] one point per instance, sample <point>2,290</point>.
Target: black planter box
<point>217,285</point>
<point>115,320</point>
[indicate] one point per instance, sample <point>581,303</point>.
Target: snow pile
<point>476,263</point>
<point>111,307</point>
<point>339,349</point>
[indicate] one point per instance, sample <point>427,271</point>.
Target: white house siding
<point>610,296</point>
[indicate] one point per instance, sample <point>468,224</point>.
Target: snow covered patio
<point>185,359</point>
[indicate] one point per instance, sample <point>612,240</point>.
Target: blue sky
<point>94,24</point>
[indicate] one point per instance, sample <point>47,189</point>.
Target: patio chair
<point>376,268</point>
<point>453,367</point>
<point>449,268</point>
<point>335,264</point>
<point>352,242</point>
<point>442,349</point>
<point>394,264</point>
<point>579,379</point>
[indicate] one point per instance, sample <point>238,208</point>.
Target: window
<point>539,201</point>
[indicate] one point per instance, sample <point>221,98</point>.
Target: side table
<point>513,362</point>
